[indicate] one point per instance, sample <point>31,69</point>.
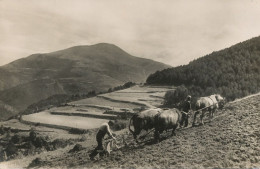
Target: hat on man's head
<point>188,97</point>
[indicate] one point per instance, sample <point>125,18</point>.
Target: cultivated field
<point>231,140</point>
<point>146,96</point>
<point>92,112</point>
<point>87,114</point>
<point>63,120</point>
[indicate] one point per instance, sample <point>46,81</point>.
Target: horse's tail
<point>130,125</point>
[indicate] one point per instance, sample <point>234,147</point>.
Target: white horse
<point>210,104</point>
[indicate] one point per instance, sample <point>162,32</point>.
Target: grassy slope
<point>6,110</point>
<point>76,70</point>
<point>231,140</point>
<point>23,95</point>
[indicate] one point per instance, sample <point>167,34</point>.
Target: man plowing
<point>103,130</point>
<point>185,112</point>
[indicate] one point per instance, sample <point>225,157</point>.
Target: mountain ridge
<point>77,69</point>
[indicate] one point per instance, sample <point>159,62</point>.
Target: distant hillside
<point>233,72</point>
<point>74,70</point>
<point>23,95</point>
<point>6,110</point>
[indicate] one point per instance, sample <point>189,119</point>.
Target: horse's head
<point>221,101</point>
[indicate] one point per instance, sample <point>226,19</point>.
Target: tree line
<point>233,72</point>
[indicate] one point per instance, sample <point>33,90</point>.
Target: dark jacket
<point>186,106</point>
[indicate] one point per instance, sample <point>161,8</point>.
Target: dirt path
<point>231,140</point>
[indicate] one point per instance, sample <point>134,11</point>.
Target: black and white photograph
<point>129,84</point>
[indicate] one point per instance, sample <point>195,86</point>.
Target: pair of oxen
<point>163,120</point>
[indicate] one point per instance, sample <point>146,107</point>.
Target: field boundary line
<point>123,101</point>
<point>101,116</point>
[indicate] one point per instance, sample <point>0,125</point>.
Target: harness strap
<point>213,101</point>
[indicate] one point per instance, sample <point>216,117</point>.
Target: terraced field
<point>83,114</point>
<point>64,120</point>
<point>92,112</point>
<point>149,97</point>
<point>99,101</point>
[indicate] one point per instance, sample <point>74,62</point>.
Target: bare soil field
<point>231,140</point>
<point>64,120</point>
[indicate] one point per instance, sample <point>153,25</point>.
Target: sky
<point>174,32</point>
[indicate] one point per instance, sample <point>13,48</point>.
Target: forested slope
<point>233,72</point>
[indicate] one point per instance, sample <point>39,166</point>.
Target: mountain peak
<point>78,69</point>
<point>98,45</point>
<point>103,44</point>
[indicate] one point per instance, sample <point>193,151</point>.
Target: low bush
<point>37,162</point>
<point>174,98</point>
<point>16,139</point>
<point>11,149</point>
<point>76,148</point>
<point>77,131</point>
<point>119,125</point>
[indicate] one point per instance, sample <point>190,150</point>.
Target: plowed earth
<point>231,140</point>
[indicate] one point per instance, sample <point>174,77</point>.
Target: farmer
<point>103,130</point>
<point>185,111</point>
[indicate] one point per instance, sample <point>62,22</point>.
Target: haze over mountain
<point>74,70</point>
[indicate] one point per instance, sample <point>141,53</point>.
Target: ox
<point>210,104</point>
<point>167,119</point>
<point>143,121</point>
